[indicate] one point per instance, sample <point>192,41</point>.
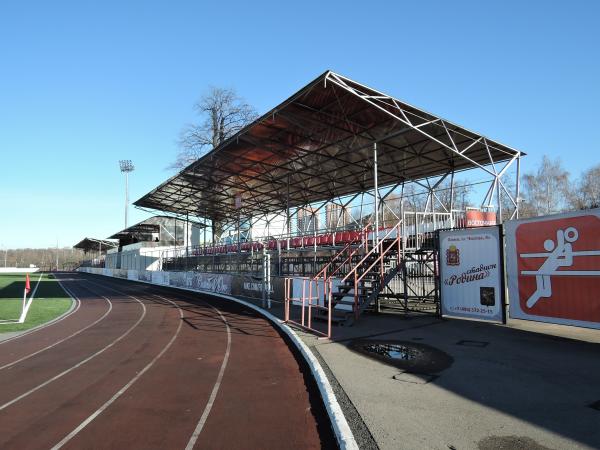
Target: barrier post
<point>329,312</point>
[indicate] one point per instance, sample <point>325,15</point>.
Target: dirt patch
<point>510,443</point>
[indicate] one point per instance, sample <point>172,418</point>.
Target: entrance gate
<point>416,287</point>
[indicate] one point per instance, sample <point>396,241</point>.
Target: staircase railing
<point>310,295</point>
<point>379,250</point>
<point>364,243</point>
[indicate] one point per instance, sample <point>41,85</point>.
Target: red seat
<point>345,237</point>
<point>297,242</point>
<point>272,244</point>
<point>309,241</point>
<point>328,239</point>
<point>283,244</point>
<point>355,236</point>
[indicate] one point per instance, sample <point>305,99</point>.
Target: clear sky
<point>84,84</point>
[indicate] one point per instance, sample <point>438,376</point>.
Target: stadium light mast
<point>126,166</point>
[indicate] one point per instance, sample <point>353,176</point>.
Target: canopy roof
<point>134,230</point>
<point>318,145</point>
<point>88,244</point>
<point>150,225</point>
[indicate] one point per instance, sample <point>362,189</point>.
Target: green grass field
<point>50,301</point>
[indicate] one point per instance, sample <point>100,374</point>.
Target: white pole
<point>268,281</point>
<point>127,196</point>
<point>518,193</point>
<point>376,192</point>
<point>24,301</point>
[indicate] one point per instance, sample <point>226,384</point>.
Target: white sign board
<point>553,268</point>
<point>471,274</point>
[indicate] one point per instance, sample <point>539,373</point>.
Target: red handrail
<point>375,247</point>
<point>323,271</point>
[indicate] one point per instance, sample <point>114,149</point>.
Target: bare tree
<point>458,197</point>
<point>222,114</point>
<point>585,193</point>
<point>547,190</point>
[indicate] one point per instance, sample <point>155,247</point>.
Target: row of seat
<point>323,240</point>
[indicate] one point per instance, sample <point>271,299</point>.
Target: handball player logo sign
<point>555,274</point>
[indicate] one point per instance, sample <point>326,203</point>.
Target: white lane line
<point>79,364</point>
<point>215,390</point>
<point>52,322</point>
<point>110,306</point>
<point>343,433</point>
<point>121,391</point>
<point>30,300</point>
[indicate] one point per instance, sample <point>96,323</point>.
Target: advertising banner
<point>250,286</point>
<point>145,275</point>
<point>476,218</point>
<point>211,282</point>
<point>160,278</point>
<point>553,268</point>
<point>132,275</point>
<point>471,274</point>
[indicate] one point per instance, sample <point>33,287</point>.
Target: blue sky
<point>84,84</point>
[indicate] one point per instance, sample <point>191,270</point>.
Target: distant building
<point>308,220</point>
<point>336,216</point>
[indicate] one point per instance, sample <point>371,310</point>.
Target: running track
<point>137,366</point>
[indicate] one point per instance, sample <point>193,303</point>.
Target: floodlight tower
<point>126,166</point>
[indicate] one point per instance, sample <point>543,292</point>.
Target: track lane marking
<point>79,364</point>
<point>216,387</point>
<point>110,307</point>
<point>203,418</point>
<point>121,391</point>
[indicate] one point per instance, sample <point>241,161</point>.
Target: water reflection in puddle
<point>393,351</point>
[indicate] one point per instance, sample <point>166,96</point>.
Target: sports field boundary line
<point>26,306</point>
<point>75,305</point>
<point>29,302</point>
<point>341,429</point>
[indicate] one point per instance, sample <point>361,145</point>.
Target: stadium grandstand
<point>332,199</point>
<point>96,249</point>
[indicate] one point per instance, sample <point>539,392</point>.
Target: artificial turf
<point>50,301</point>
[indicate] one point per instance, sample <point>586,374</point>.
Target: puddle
<point>413,357</point>
<point>394,351</point>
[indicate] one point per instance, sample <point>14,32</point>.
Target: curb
<point>341,429</point>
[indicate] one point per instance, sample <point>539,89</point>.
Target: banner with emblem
<point>471,273</point>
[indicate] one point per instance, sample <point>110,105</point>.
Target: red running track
<point>139,366</point>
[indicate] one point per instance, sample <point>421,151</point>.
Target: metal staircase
<point>363,269</point>
<point>361,285</point>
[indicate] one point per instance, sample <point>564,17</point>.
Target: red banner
<point>480,218</point>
